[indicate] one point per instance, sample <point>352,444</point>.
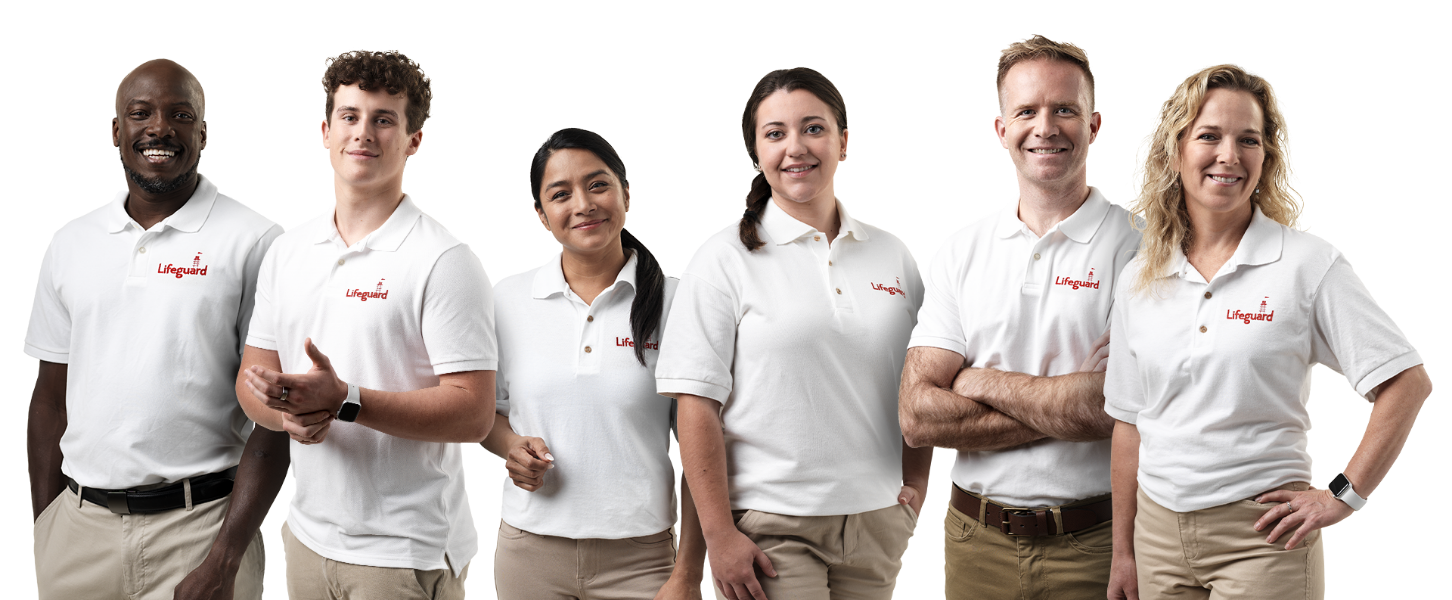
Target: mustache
<point>156,145</point>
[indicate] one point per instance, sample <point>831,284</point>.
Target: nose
<point>582,202</point>
<point>1044,126</point>
<point>365,132</point>
<point>1227,153</point>
<point>795,146</point>
<point>159,126</point>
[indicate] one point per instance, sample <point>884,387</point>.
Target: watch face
<point>1339,484</point>
<point>348,412</point>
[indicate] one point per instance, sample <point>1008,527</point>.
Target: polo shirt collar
<point>1080,226</point>
<point>1261,244</point>
<point>387,238</point>
<point>550,278</point>
<point>783,228</point>
<point>189,218</point>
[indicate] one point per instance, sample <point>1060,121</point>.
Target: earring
<point>844,156</point>
<point>1257,190</point>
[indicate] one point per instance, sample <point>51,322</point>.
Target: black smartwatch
<point>1341,488</point>
<point>349,411</point>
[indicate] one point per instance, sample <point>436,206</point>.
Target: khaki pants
<point>86,551</point>
<point>985,563</point>
<point>1217,553</point>
<point>840,557</point>
<point>312,577</point>
<point>530,566</point>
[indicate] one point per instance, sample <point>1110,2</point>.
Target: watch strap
<point>349,411</point>
<point>1341,488</point>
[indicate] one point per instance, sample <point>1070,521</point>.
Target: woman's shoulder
<point>515,286</point>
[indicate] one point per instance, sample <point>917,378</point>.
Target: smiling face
<point>582,202</point>
<point>1222,152</point>
<point>367,138</point>
<point>159,128</point>
<point>1047,123</point>
<point>798,146</point>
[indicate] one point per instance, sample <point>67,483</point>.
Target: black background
<point>924,161</point>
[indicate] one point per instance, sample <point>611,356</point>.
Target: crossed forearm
<point>931,414</point>
<point>1067,407</point>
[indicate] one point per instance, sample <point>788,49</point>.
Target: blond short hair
<point>1161,202</point>
<point>1040,47</point>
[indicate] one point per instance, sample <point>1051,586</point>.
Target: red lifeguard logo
<point>362,296</point>
<point>1259,315</point>
<point>891,290</point>
<point>1087,283</point>
<point>197,268</point>
<point>628,343</point>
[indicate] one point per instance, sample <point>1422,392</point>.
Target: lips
<point>588,225</point>
<point>1225,179</point>
<point>798,170</point>
<point>362,154</point>
<point>158,154</point>
<point>1047,151</point>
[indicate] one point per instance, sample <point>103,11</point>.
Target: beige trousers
<point>985,563</point>
<point>529,566</point>
<point>840,557</point>
<point>1217,553</point>
<point>86,551</point>
<point>312,577</point>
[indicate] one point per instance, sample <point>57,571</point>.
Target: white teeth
<point>1225,179</point>
<point>798,169</point>
<point>1046,150</point>
<point>157,152</point>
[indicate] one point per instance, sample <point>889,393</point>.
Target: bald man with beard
<point>135,435</point>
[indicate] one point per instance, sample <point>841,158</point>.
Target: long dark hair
<point>800,78</point>
<point>649,302</point>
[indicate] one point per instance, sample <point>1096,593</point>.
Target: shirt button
<point>829,263</point>
<point>1036,256</point>
<point>587,349</point>
<point>590,319</point>
<point>816,238</point>
<point>340,262</point>
<point>142,250</point>
<point>839,291</point>
<point>1202,330</point>
<point>1207,295</point>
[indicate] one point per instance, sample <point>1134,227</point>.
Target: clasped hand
<point>307,401</point>
<point>1304,512</point>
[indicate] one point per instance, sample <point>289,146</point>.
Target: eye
<point>1209,137</point>
<point>598,185</point>
<point>383,121</point>
<point>815,129</point>
<point>1027,112</point>
<point>1065,111</point>
<point>184,115</point>
<point>348,118</point>
<point>560,195</point>
<point>1250,141</point>
<point>138,114</point>
<point>774,134</point>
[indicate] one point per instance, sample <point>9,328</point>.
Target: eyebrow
<point>1216,128</point>
<point>804,120</point>
<point>564,182</point>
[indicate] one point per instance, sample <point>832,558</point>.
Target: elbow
<point>478,428</point>
<point>914,434</point>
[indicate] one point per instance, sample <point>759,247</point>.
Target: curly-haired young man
<point>372,346</point>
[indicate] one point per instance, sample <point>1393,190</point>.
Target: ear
<point>627,198</point>
<point>844,145</point>
<point>1001,130</point>
<point>1094,122</point>
<point>204,136</point>
<point>326,143</point>
<point>116,132</point>
<point>543,220</point>
<point>413,142</point>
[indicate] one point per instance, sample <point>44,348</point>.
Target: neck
<point>589,273</point>
<point>1042,207</point>
<point>149,209</point>
<point>820,213</point>
<point>361,210</point>
<point>1214,231</point>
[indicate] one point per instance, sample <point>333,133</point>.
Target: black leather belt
<point>1014,521</point>
<point>205,488</point>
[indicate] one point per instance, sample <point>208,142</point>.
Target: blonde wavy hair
<point>1161,203</point>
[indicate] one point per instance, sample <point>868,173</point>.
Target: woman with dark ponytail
<point>786,345</point>
<point>589,503</point>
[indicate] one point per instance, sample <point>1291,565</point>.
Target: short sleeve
<point>458,314</point>
<point>915,286</point>
<point>261,331</point>
<point>699,345</point>
<point>1354,336</point>
<point>250,271</point>
<point>49,335</point>
<point>1123,387</point>
<point>938,322</point>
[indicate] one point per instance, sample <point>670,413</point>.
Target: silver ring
<point>283,398</point>
<point>1290,508</point>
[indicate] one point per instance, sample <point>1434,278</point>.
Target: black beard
<point>161,186</point>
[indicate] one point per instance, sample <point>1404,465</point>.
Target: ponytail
<point>649,303</point>
<point>756,201</point>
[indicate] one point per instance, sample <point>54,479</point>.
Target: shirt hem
<point>1123,415</point>
<point>386,562</point>
<point>47,355</point>
<point>262,343</point>
<point>1381,374</point>
<point>669,387</point>
<point>926,341</point>
<point>461,366</point>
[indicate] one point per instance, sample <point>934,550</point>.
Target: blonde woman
<point>1217,324</point>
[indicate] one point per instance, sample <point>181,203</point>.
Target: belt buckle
<point>1006,526</point>
<point>116,501</point>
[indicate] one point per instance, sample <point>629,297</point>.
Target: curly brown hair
<point>389,71</point>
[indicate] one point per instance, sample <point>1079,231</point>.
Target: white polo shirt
<point>1006,299</point>
<point>568,375</point>
<point>150,324</point>
<point>402,306</point>
<point>803,345</point>
<point>1216,374</point>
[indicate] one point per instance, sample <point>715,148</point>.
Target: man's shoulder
<point>1121,226</point>
<point>236,216</point>
<point>79,229</point>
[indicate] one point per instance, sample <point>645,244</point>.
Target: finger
<point>312,418</point>
<point>521,457</point>
<point>762,562</point>
<point>1298,535</point>
<point>1271,516</point>
<point>320,361</point>
<point>754,587</point>
<point>525,483</point>
<point>519,470</point>
<point>1285,526</point>
<point>264,373</point>
<point>1277,496</point>
<point>263,385</point>
<point>538,448</point>
<point>1102,366</point>
<point>727,590</point>
<point>1103,340</point>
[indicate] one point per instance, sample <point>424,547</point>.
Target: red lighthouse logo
<point>198,269</point>
<point>1264,313</point>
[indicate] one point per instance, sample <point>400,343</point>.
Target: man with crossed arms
<point>1006,364</point>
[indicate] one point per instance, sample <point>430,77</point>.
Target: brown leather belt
<point>1016,521</point>
<point>205,488</point>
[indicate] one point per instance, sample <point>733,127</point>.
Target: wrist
<point>340,394</point>
<point>686,574</point>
